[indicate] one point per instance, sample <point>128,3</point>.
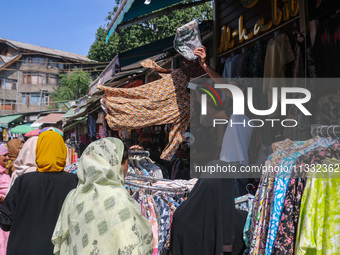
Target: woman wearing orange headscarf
<point>14,147</point>
<point>31,208</point>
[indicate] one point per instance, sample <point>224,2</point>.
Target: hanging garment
<point>319,227</point>
<point>229,70</point>
<point>280,189</point>
<point>187,39</point>
<point>285,239</point>
<point>247,206</point>
<point>164,224</point>
<point>264,195</point>
<point>279,53</point>
<point>154,225</point>
<point>160,102</point>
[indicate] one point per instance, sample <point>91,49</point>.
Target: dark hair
<point>125,154</point>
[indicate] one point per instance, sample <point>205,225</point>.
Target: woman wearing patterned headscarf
<point>25,162</point>
<point>14,147</point>
<point>31,208</point>
<point>99,216</point>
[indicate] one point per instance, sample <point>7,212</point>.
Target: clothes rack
<point>325,130</point>
<point>152,188</point>
<point>140,153</point>
<point>131,176</point>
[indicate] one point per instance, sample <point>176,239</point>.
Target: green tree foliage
<point>72,86</point>
<point>143,33</point>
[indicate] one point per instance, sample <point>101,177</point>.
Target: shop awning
<point>73,111</point>
<point>74,124</point>
<point>12,119</point>
<point>52,118</point>
<point>130,10</point>
<point>37,124</point>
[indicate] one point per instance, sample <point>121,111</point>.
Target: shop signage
<point>229,37</point>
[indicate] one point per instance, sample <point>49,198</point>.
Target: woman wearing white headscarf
<point>25,162</point>
<point>99,216</point>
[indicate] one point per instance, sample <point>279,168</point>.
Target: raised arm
<point>202,54</point>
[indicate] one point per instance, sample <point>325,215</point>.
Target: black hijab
<point>207,222</point>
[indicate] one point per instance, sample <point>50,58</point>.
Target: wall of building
<point>33,77</point>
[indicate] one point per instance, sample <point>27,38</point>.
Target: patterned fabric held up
<point>160,102</point>
<point>100,216</point>
<point>187,39</point>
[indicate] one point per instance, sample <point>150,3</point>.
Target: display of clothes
<point>163,101</point>
<point>229,70</point>
<point>245,203</point>
<point>255,63</point>
<point>327,111</point>
<point>180,169</point>
<point>142,165</point>
<point>72,168</point>
<point>279,53</point>
<point>72,156</point>
<point>158,206</point>
<point>286,205</point>
<point>326,49</point>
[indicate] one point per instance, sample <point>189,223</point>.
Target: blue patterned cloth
<point>164,224</point>
<point>280,188</point>
<point>246,206</point>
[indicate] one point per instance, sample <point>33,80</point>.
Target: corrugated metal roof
<point>51,118</point>
<point>7,59</point>
<point>31,47</point>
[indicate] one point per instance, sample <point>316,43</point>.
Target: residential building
<point>29,73</point>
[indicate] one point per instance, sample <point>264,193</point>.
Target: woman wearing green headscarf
<point>99,216</point>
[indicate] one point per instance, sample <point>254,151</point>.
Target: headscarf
<point>13,148</point>
<point>3,149</point>
<point>51,152</point>
<point>25,161</point>
<point>207,222</point>
<point>100,214</point>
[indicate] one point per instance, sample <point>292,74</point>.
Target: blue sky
<point>68,25</point>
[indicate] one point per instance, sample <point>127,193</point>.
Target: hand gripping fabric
<point>163,101</point>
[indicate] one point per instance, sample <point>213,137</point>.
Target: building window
<point>8,84</point>
<point>47,100</point>
<point>51,79</point>
<point>35,98</point>
<point>35,78</point>
<point>7,105</point>
<point>27,78</point>
<point>35,61</point>
<point>52,63</point>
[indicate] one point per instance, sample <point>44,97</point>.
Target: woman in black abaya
<point>207,223</point>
